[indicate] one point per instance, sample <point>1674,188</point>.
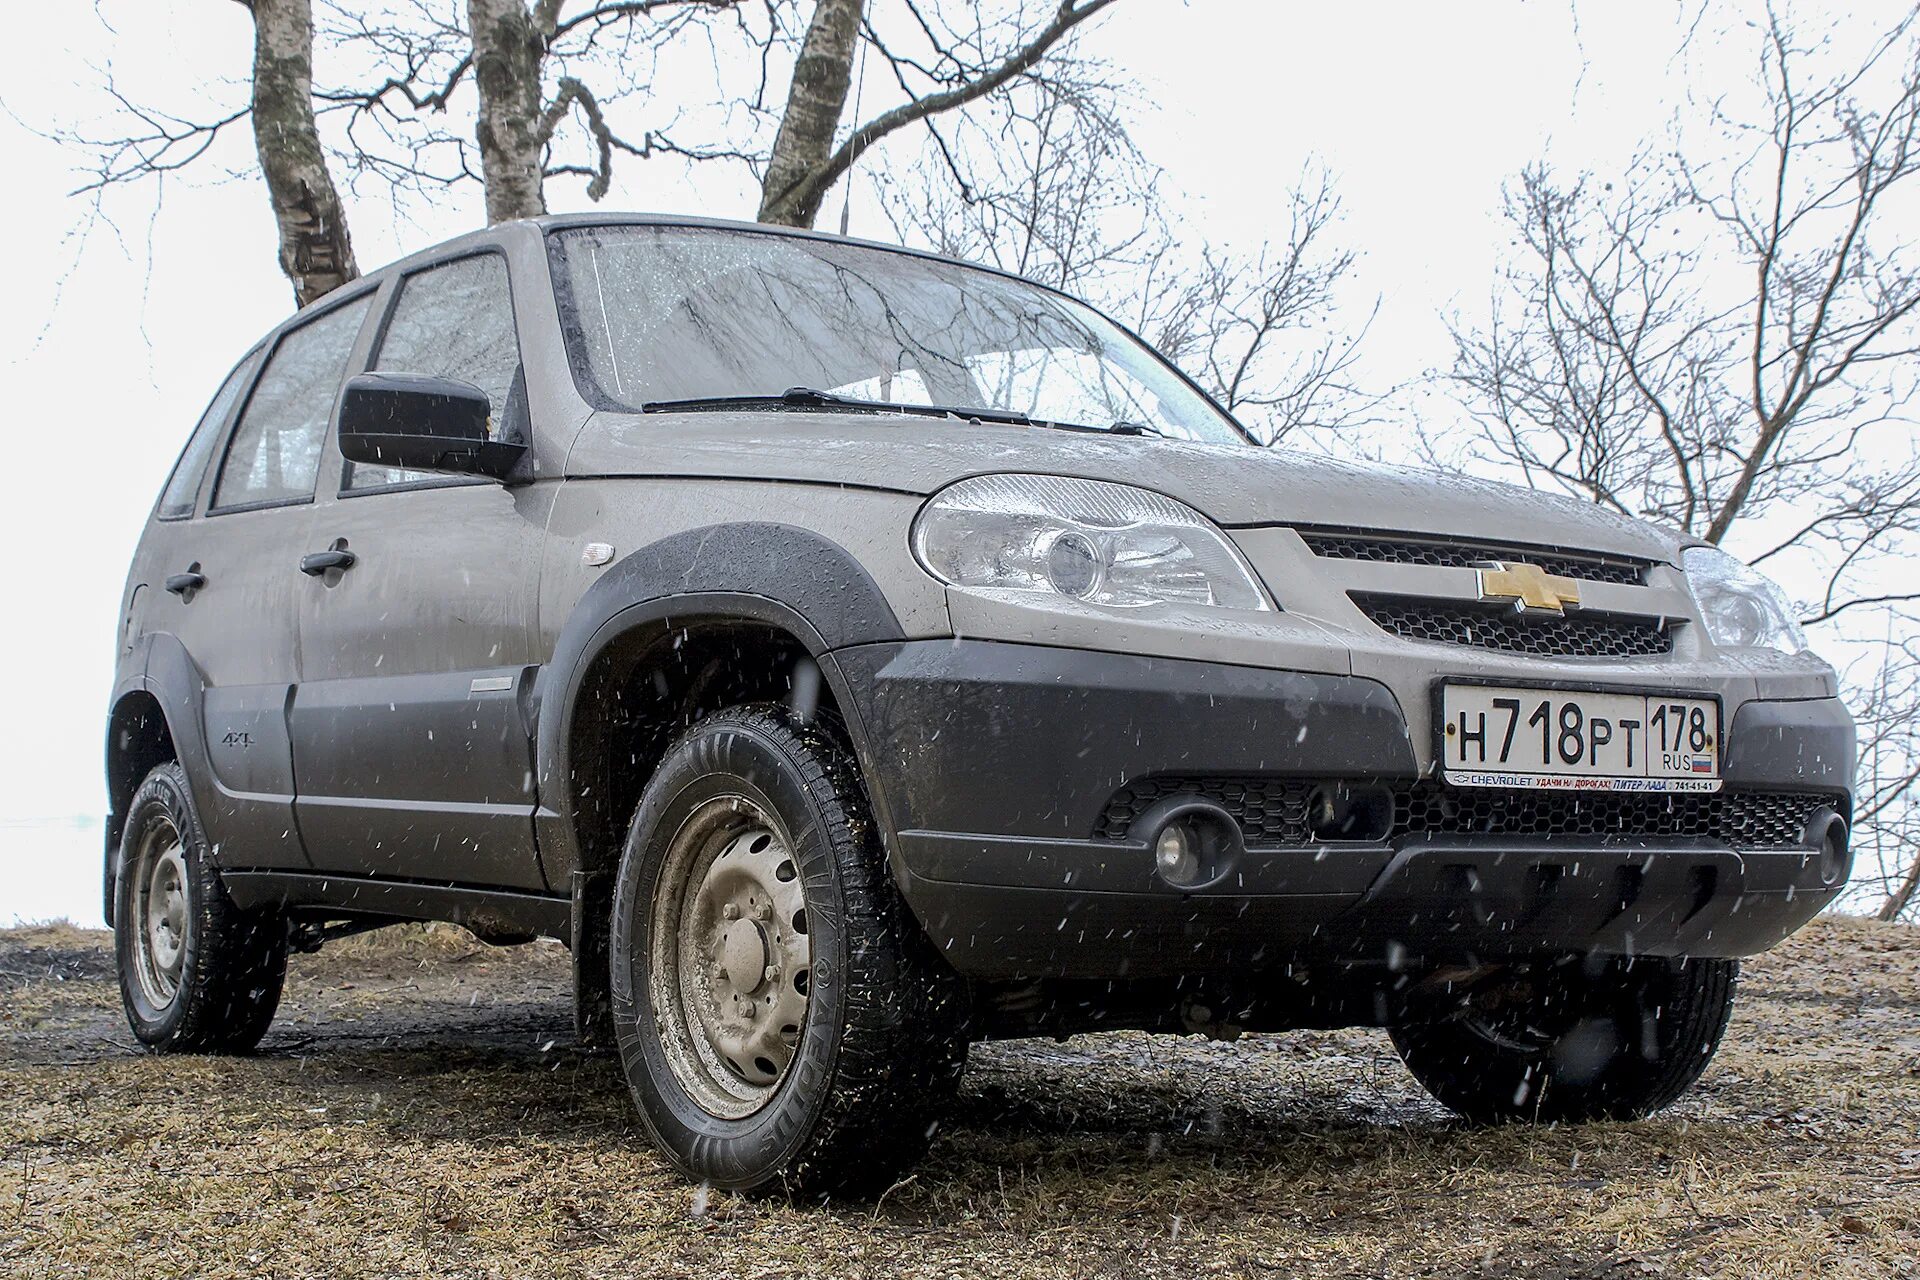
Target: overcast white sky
<point>113,344</point>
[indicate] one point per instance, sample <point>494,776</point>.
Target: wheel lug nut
<point>772,974</point>
<point>731,911</point>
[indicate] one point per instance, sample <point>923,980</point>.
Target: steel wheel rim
<point>731,956</point>
<point>160,914</point>
<point>1526,1025</point>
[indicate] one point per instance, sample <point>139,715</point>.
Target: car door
<point>227,580</point>
<point>411,731</point>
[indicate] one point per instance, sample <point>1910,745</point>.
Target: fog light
<point>1833,855</point>
<point>1828,831</point>
<point>1174,853</point>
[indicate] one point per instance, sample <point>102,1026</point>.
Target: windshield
<point>661,314</point>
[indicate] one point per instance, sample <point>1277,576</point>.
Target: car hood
<point>1234,486</point>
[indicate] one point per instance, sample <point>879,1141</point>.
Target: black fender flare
<point>781,575</point>
<point>165,672</point>
<point>178,685</point>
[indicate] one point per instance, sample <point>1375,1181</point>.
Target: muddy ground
<point>417,1110</point>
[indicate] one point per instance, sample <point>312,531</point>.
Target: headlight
<point>1740,606</point>
<point>1087,540</point>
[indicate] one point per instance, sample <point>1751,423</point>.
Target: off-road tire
<point>1618,1044</point>
<point>883,1044</point>
<point>232,963</point>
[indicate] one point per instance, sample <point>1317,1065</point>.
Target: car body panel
<point>1020,873</point>
<point>415,676</point>
<point>1234,486</point>
<point>780,575</point>
<point>238,661</point>
<point>626,516</point>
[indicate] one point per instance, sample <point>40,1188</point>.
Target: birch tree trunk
<point>509,46</point>
<point>315,250</point>
<point>789,197</point>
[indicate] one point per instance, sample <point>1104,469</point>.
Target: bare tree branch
<point>1046,183</point>
<point>804,164</point>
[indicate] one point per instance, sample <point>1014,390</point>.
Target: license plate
<point>1503,737</point>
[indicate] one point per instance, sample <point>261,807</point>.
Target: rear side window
<point>275,453</point>
<point>176,501</point>
<point>453,321</point>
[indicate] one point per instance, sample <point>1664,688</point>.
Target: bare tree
<point>1048,184</point>
<point>397,117</point>
<point>315,250</point>
<point>563,88</point>
<point>1763,409</point>
<point>1884,692</point>
<point>1045,182</point>
<point>509,45</point>
<point>533,68</point>
<point>822,75</point>
<point>962,64</point>
<point>1258,330</point>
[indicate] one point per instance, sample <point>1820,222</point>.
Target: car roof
<point>572,221</point>
<point>486,237</point>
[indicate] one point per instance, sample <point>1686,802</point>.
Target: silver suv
<point>850,653</point>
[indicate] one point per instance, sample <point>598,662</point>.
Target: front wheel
<point>781,1019</point>
<point>1575,1044</point>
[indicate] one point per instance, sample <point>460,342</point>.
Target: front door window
<point>454,321</point>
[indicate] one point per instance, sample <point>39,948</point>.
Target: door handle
<point>318,562</point>
<point>185,584</point>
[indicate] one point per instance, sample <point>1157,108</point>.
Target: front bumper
<point>1008,779</point>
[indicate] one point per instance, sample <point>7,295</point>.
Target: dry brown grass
<point>417,1111</point>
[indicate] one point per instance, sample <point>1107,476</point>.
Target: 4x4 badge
<point>1528,587</point>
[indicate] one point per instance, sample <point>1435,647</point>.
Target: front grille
<point>1272,812</point>
<point>1744,819</point>
<point>1467,555</point>
<point>1577,635</point>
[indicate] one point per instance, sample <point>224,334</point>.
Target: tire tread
<point>901,1046</point>
<point>1491,1084</point>
<point>237,959</point>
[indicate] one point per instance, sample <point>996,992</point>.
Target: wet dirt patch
<point>418,1109</point>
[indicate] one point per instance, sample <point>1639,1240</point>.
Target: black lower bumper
<point>1015,782</point>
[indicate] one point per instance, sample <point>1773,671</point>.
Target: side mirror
<point>420,423</point>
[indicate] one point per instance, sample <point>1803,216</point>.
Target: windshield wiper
<point>795,397</point>
<point>1121,428</point>
<point>813,398</point>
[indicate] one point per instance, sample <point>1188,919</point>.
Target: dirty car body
<point>1153,727</point>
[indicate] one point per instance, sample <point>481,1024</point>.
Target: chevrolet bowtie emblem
<point>1527,587</point>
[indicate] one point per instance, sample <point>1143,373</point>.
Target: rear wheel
<point>781,1019</point>
<point>196,972</point>
<point>1575,1045</point>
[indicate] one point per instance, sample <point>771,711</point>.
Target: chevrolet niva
<point>850,653</point>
